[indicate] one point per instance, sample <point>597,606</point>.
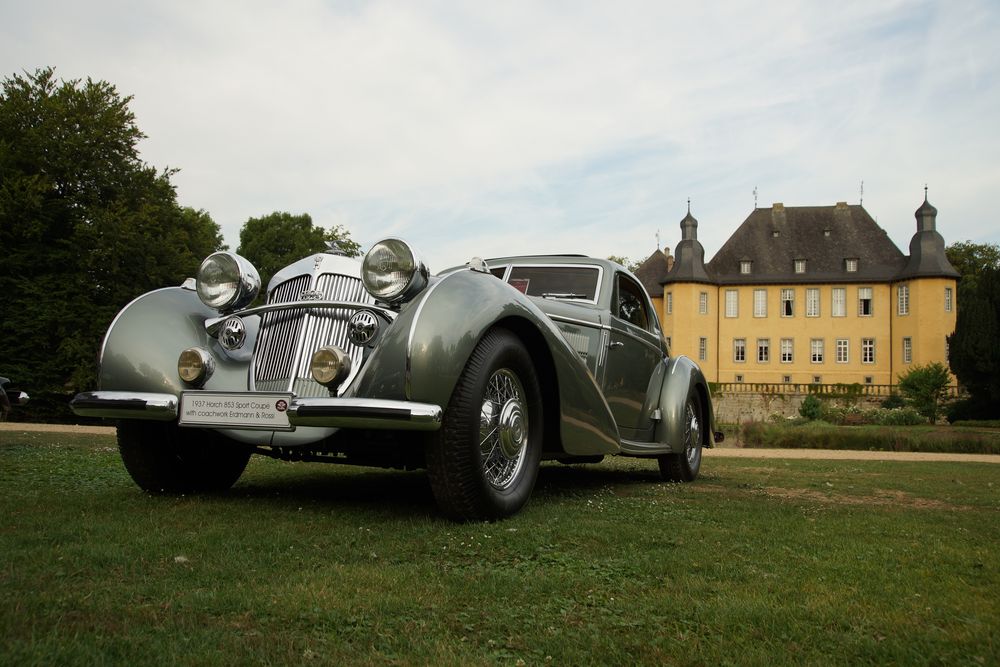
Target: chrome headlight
<point>392,271</point>
<point>227,281</point>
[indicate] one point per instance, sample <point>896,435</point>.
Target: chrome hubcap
<point>692,436</point>
<point>503,429</point>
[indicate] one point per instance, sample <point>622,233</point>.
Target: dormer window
<point>826,233</point>
<point>800,266</point>
<point>851,265</point>
<point>745,266</point>
<point>775,233</point>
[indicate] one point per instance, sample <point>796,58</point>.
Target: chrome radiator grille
<point>288,338</point>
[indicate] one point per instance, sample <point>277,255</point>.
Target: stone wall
<point>737,407</point>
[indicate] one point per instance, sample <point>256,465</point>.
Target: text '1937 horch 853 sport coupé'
<point>476,374</point>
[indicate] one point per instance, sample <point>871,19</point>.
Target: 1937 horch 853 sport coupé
<point>476,374</point>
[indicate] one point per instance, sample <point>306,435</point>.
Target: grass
<point>759,562</point>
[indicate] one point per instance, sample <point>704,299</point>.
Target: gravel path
<point>734,452</point>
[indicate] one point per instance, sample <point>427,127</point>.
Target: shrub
<point>896,417</point>
<point>893,401</point>
<point>924,388</point>
<point>811,408</point>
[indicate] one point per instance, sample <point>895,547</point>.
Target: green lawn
<point>758,562</point>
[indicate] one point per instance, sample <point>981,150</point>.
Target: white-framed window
<point>760,303</point>
<point>903,300</point>
<point>787,350</point>
<point>787,379</point>
<point>739,350</point>
<point>763,350</point>
<point>787,302</point>
<point>947,299</point>
<point>800,266</point>
<point>851,265</point>
<point>843,350</point>
<point>838,302</point>
<point>865,301</point>
<point>812,302</point>
<point>746,266</point>
<point>703,303</point>
<point>817,379</point>
<point>868,350</point>
<point>732,303</point>
<point>907,350</point>
<point>702,349</point>
<point>670,302</point>
<point>816,350</point>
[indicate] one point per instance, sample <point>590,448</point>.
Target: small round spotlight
<point>330,366</point>
<point>195,366</point>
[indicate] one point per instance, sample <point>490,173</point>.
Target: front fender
<point>437,335</point>
<point>683,377</point>
<point>143,342</point>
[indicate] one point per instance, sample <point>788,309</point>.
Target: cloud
<point>490,128</point>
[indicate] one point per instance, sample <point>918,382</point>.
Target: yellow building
<point>810,295</point>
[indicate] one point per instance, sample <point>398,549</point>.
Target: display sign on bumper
<point>246,411</point>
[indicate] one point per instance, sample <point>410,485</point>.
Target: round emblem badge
<point>362,327</point>
<point>233,333</point>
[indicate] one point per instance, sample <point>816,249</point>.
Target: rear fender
<point>683,378</point>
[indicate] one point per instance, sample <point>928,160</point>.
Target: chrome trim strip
<point>213,324</point>
<point>582,323</point>
<point>413,327</point>
<point>125,405</point>
<point>640,340</point>
<point>368,413</point>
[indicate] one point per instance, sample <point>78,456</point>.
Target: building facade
<point>810,295</point>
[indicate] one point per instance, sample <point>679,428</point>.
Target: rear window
<point>566,282</point>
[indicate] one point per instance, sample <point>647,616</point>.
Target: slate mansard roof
<point>653,271</point>
<point>827,238</point>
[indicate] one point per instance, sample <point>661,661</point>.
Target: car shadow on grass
<point>401,494</point>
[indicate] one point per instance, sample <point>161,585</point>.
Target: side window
<point>631,305</point>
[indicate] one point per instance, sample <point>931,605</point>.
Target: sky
<point>497,128</point>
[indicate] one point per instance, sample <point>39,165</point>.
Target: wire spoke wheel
<point>483,463</point>
<point>685,465</point>
<point>692,436</point>
<point>503,429</point>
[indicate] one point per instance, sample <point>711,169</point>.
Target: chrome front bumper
<point>366,413</point>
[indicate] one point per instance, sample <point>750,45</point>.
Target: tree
<point>924,388</point>
<point>274,241</point>
<point>970,259</point>
<point>85,226</point>
<point>629,264</point>
<point>973,353</point>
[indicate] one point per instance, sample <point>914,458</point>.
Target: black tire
<point>163,458</point>
<point>684,467</point>
<point>496,406</point>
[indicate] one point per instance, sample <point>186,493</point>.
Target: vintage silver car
<point>476,374</point>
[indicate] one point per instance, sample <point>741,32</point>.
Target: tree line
<point>86,226</point>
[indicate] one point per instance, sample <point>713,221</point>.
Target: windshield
<point>557,282</point>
